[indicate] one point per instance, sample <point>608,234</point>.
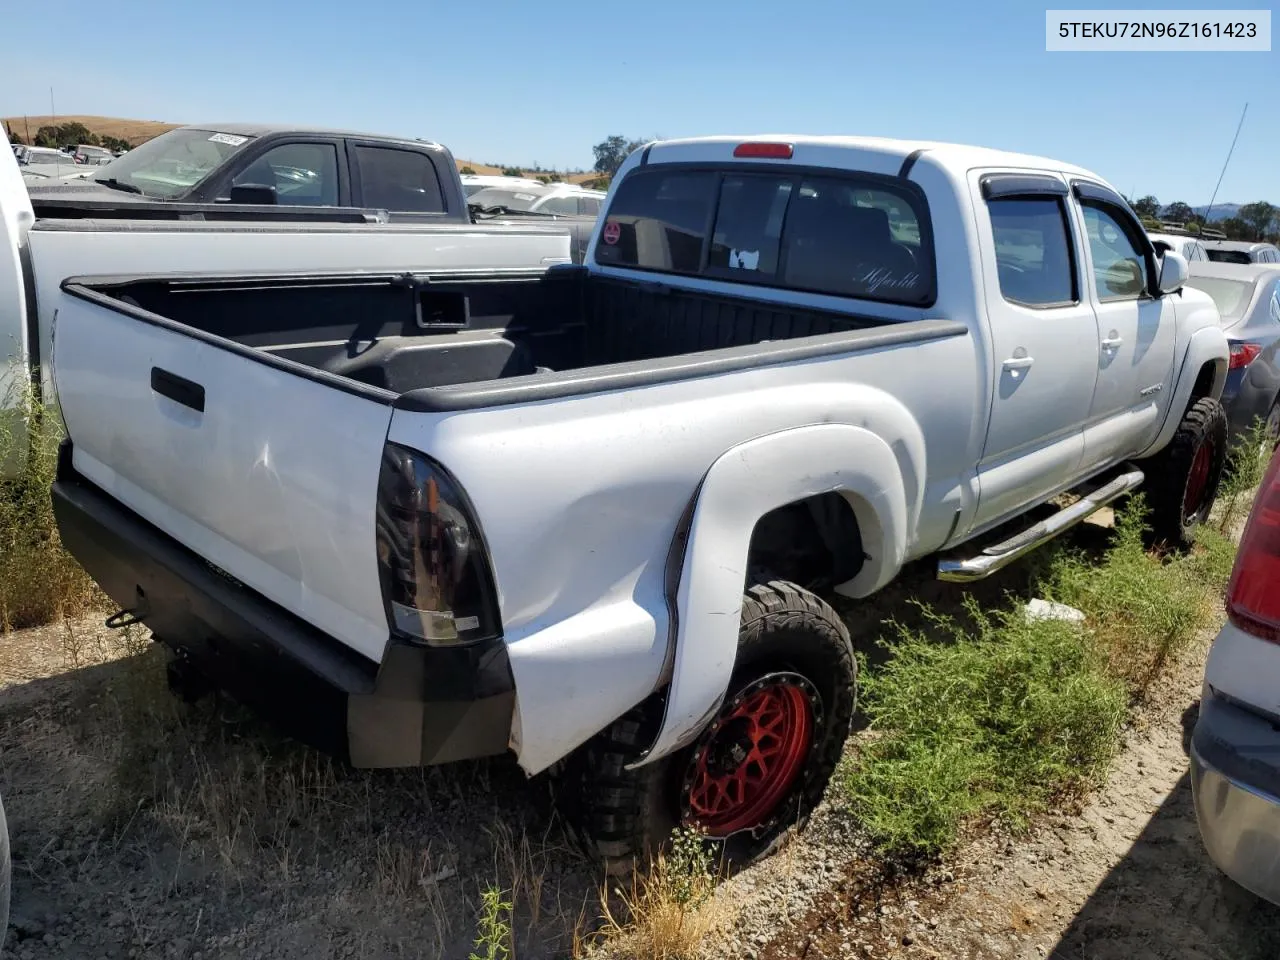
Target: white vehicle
<point>1190,248</point>
<point>562,199</point>
<point>1235,749</point>
<point>474,182</point>
<point>583,517</point>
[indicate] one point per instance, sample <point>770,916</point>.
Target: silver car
<point>1241,251</point>
<point>1248,297</point>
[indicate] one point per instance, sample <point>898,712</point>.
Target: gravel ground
<point>143,827</point>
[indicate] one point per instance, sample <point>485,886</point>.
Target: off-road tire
<point>625,817</point>
<point>1168,474</point>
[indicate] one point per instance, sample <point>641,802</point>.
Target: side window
<point>398,180</point>
<point>1033,251</point>
<point>590,206</point>
<point>564,206</point>
<point>304,174</point>
<point>1119,269</point>
<point>657,221</point>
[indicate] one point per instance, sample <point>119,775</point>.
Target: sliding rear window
<point>855,236</point>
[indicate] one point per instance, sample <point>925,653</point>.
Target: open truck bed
<point>459,340</point>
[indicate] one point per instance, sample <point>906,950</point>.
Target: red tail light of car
<point>1243,354</point>
<point>1253,595</point>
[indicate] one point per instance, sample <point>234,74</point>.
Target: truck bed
<point>460,341</point>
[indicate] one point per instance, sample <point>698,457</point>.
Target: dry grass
<point>40,582</point>
<point>665,914</point>
<point>135,131</point>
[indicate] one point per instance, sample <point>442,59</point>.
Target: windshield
<point>174,162</point>
<point>1230,296</point>
<point>512,199</point>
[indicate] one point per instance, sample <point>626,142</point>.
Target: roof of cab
<point>960,156</point>
<point>263,129</point>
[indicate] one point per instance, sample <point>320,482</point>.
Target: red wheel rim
<point>1198,480</point>
<point>751,757</point>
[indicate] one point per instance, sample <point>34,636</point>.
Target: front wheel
<point>1182,480</point>
<point>759,767</point>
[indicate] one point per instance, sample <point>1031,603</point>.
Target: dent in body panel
<point>252,483</point>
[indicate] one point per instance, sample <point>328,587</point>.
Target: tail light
<point>436,582</point>
<point>1253,595</point>
<point>1243,354</point>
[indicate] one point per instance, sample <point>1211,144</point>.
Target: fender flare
<point>741,486</point>
<point>1205,345</point>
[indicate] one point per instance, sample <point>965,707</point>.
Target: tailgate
<point>266,469</point>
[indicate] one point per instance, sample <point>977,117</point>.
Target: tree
<point>611,152</point>
<point>1235,228</point>
<point>1258,216</point>
<point>1178,211</point>
<point>512,172</point>
<point>469,171</point>
<point>1148,206</point>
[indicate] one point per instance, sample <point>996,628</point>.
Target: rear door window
<point>849,236</point>
<point>398,180</point>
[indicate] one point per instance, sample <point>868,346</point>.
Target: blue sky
<point>526,83</point>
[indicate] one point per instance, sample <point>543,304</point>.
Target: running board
<point>1002,554</point>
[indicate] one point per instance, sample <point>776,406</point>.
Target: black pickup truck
<point>244,172</point>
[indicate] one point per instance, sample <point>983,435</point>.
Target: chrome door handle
<point>1111,343</point>
<point>1018,363</point>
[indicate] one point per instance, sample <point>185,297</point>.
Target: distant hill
<point>140,131</point>
<point>1221,211</point>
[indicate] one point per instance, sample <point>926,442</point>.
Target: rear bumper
<point>1235,780</point>
<point>420,706</point>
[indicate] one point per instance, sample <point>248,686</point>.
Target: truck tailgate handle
<point>178,389</point>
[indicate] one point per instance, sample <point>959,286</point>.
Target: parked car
<point>1248,298</point>
<point>564,199</point>
<point>1235,748</point>
<point>584,514</point>
<point>92,155</point>
<point>189,170</point>
<point>1241,251</point>
<point>1190,247</point>
<point>475,182</point>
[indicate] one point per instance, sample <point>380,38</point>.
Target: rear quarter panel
<point>579,500</point>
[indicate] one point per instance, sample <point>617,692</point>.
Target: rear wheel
<point>1182,479</point>
<point>759,767</point>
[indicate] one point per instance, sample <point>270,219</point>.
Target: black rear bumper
<point>419,706</point>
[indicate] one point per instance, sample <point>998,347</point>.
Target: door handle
<point>178,389</point>
<point>1018,363</point>
<point>1112,343</point>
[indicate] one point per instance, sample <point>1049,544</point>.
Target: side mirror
<point>253,193</point>
<point>1173,272</point>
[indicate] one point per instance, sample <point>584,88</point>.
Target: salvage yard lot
<point>143,826</point>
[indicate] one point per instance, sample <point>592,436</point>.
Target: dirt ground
<point>1124,878</point>
<point>145,827</point>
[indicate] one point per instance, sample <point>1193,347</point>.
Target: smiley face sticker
<point>612,232</point>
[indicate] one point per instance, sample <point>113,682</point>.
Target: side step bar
<point>1002,554</point>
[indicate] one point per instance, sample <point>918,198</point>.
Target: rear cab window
<point>854,235</point>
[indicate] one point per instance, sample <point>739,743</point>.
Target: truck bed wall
<point>367,329</point>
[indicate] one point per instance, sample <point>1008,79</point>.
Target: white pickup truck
<point>585,515</point>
